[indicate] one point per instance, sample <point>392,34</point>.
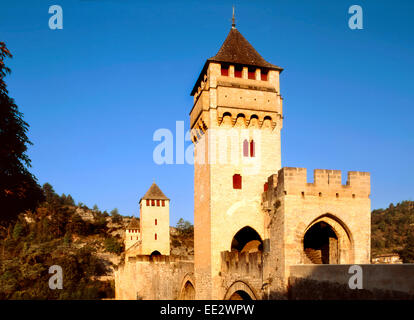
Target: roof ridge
<point>155,193</point>
<point>237,49</point>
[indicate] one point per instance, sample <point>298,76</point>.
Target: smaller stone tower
<point>155,222</point>
<point>132,235</point>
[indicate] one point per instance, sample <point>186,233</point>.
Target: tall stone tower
<point>155,222</point>
<point>236,121</point>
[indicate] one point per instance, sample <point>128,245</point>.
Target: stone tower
<point>236,121</point>
<point>132,234</point>
<point>155,222</point>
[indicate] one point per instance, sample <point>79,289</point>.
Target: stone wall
<point>331,282</point>
<point>241,271</point>
<point>294,206</point>
<point>152,278</point>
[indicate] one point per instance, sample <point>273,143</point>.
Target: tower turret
<point>132,234</point>
<point>236,121</point>
<point>155,222</point>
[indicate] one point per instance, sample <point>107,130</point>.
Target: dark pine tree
<point>19,190</point>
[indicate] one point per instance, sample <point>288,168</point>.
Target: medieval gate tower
<point>256,224</point>
<point>237,113</point>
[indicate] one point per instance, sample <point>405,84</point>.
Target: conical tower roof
<point>133,224</point>
<point>154,193</point>
<point>237,50</point>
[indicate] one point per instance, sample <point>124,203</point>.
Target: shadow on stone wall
<point>308,289</point>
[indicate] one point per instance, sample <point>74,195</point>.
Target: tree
<point>50,194</point>
<point>19,190</point>
<point>112,245</point>
<point>407,254</point>
<point>185,228</point>
<point>115,216</point>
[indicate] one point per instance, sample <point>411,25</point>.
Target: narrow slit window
<point>245,148</point>
<point>237,181</point>
<point>155,236</point>
<point>252,147</point>
<point>156,221</point>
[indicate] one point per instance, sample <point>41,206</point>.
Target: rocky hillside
<point>86,243</point>
<point>393,230</point>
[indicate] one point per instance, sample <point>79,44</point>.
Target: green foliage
<point>115,216</point>
<point>392,229</point>
<point>407,253</point>
<point>114,212</point>
<point>112,245</point>
<point>31,248</point>
<point>185,228</point>
<point>19,190</point>
<point>18,230</point>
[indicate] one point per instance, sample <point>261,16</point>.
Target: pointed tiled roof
<point>133,224</point>
<point>154,192</point>
<point>236,49</point>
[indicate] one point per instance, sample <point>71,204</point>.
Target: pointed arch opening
<point>321,244</point>
<point>188,291</point>
<point>327,241</point>
<point>247,240</point>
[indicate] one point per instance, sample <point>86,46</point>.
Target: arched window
<point>252,147</point>
<point>245,148</point>
<point>237,181</point>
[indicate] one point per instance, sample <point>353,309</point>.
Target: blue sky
<point>95,92</point>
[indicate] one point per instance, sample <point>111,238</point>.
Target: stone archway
<point>187,289</point>
<point>327,240</point>
<point>247,240</point>
<point>240,290</point>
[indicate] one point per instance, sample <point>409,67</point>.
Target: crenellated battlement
<point>157,258</point>
<point>241,262</point>
<point>327,183</point>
